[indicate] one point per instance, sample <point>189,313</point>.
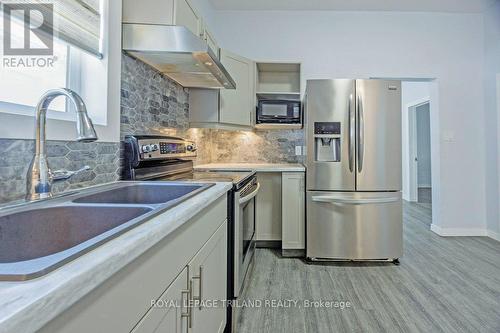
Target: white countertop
<point>259,167</point>
<point>28,305</point>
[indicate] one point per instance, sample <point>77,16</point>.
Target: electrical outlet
<point>298,150</point>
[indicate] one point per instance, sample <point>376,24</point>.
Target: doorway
<point>420,153</point>
<point>419,100</point>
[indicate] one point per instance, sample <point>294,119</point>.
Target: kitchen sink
<point>41,232</point>
<point>141,194</point>
<point>36,238</point>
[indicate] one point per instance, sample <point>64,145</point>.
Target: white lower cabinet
<point>280,209</point>
<point>167,275</point>
<point>268,207</point>
<point>207,272</point>
<point>194,302</point>
<point>293,211</point>
<point>170,313</point>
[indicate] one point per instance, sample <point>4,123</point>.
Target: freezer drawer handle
<point>340,200</point>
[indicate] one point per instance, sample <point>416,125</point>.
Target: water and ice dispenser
<point>327,141</point>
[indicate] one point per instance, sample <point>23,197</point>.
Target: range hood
<point>178,53</point>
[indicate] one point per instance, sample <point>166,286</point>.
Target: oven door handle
<point>249,196</point>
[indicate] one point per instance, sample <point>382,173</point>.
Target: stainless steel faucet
<point>40,177</point>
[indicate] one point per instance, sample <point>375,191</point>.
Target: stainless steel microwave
<point>279,112</point>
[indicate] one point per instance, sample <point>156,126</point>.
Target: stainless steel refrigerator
<point>354,208</point>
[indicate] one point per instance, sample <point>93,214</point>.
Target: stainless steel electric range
<point>170,158</point>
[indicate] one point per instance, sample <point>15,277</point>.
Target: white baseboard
<point>494,235</point>
<point>458,231</point>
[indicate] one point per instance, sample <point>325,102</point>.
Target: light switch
<point>298,150</point>
<point>448,136</point>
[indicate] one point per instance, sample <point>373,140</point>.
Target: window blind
<point>77,22</point>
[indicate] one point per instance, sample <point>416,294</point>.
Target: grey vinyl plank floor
<point>424,195</point>
<point>442,285</point>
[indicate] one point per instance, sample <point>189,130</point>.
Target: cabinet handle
<point>188,313</point>
<point>190,317</point>
<point>200,279</point>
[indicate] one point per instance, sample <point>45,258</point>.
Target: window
<point>89,64</point>
<point>22,86</point>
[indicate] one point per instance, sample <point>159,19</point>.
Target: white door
<point>170,311</point>
<point>237,105</point>
<point>208,276</point>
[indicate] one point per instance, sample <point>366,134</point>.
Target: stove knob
<point>191,147</point>
<point>146,149</point>
<point>154,147</point>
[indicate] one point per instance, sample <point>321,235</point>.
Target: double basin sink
<point>37,238</point>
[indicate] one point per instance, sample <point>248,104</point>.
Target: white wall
<point>412,93</point>
<point>423,146</point>
<point>448,47</point>
<point>492,109</point>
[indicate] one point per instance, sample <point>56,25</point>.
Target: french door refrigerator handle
<point>352,133</point>
<point>361,134</point>
<point>353,201</point>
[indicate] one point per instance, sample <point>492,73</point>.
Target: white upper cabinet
<point>148,11</point>
<point>238,105</point>
<point>209,38</point>
<point>186,15</point>
<point>231,109</point>
<point>168,12</point>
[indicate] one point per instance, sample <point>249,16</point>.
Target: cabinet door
<point>186,15</point>
<point>208,275</point>
<point>148,11</point>
<point>237,105</point>
<point>268,207</point>
<point>212,43</point>
<point>293,210</point>
<point>170,313</point>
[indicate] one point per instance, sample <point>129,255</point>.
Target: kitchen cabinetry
<point>208,278</point>
<point>168,12</point>
<point>268,207</point>
<point>230,108</point>
<point>237,105</point>
<point>293,211</point>
<point>277,81</point>
<point>210,40</point>
<point>165,317</point>
<point>124,301</point>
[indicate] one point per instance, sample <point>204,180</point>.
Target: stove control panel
<point>164,148</point>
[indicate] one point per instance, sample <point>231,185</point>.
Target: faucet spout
<point>39,178</point>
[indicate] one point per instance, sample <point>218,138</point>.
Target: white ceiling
<point>452,6</point>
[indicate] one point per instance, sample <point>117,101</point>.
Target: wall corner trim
<point>450,232</point>
<point>494,235</point>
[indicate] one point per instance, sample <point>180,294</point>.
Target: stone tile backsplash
<point>150,104</point>
<point>153,104</point>
<point>15,157</point>
<point>257,147</point>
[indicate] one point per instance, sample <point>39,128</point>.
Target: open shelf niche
<point>278,81</point>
